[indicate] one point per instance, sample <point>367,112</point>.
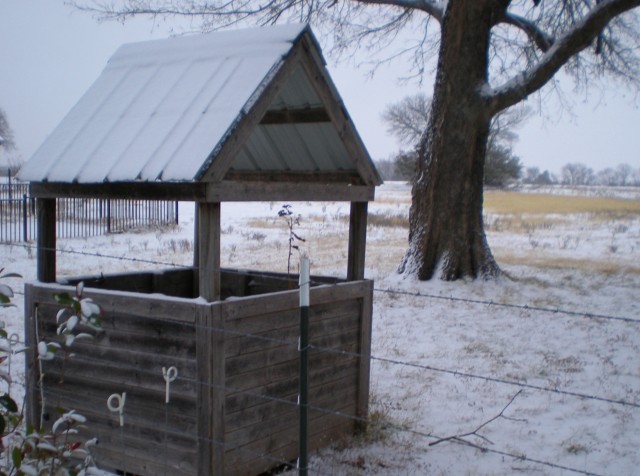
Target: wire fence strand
<point>398,362</point>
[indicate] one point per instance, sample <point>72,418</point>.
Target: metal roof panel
<point>160,107</point>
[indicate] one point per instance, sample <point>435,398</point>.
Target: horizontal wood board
<point>180,282</point>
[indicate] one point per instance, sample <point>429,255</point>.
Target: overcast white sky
<point>50,55</point>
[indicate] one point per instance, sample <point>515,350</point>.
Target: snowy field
<point>544,343</point>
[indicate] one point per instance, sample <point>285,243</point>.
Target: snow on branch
<point>576,39</point>
<point>535,34</point>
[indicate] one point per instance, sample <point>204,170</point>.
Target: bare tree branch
<point>371,26</point>
<point>460,437</point>
<point>535,34</point>
<point>435,9</point>
<point>575,40</point>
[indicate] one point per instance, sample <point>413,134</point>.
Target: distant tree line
<point>408,118</point>
<point>401,167</point>
<point>576,173</point>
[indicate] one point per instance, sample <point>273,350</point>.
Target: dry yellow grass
<point>502,202</point>
<point>543,216</point>
<point>554,262</point>
<point>394,198</point>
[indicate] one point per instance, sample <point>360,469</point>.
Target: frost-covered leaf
<point>53,346</point>
<point>84,335</point>
<point>60,315</point>
<point>76,417</point>
<point>79,288</point>
<point>60,421</point>
<point>47,356</point>
<point>5,376</point>
<point>6,290</point>
<point>42,348</point>
<point>68,340</point>
<point>89,308</point>
<point>44,446</point>
<point>72,322</point>
<point>91,471</point>
<point>79,453</point>
<point>66,419</point>
<point>44,352</point>
<point>28,470</point>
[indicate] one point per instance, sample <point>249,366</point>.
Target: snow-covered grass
<point>430,350</point>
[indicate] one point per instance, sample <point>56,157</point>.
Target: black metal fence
<point>79,217</point>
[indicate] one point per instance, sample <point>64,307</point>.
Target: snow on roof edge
<point>227,42</point>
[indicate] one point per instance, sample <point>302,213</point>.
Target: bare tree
<point>623,173</point>
<point>607,177</point>
<point>531,174</point>
<point>408,119</point>
<point>6,134</point>
<point>492,54</point>
<point>620,176</point>
<point>576,173</point>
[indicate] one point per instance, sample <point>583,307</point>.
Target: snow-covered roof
<point>164,110</point>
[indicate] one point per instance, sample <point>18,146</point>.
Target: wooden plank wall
<point>126,356</point>
<point>261,414</point>
<point>233,408</point>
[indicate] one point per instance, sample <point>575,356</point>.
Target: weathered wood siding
<point>233,407</point>
<point>261,367</point>
<point>140,335</point>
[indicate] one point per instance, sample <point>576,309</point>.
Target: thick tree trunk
<point>446,235</point>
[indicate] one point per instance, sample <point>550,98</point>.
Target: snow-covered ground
<point>448,357</point>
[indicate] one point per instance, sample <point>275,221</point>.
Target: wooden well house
<point>247,115</point>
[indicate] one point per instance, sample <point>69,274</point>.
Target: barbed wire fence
<point>399,428</point>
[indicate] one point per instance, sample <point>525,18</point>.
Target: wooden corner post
<point>46,242</point>
<point>208,240</point>
<point>357,240</point>
<point>211,391</point>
